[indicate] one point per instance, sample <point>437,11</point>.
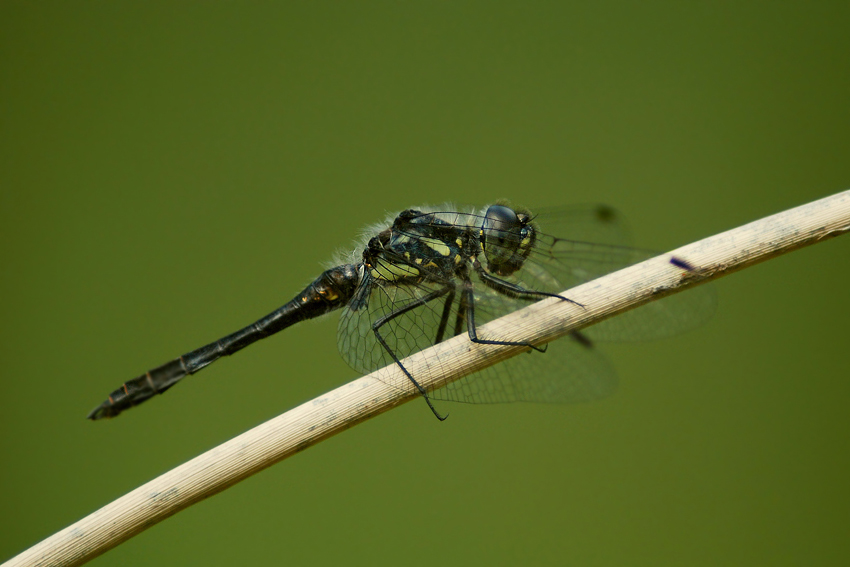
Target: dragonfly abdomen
<point>330,291</point>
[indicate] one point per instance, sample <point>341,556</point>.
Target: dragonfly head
<point>506,239</point>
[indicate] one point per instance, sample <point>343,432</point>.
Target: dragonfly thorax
<point>420,246</point>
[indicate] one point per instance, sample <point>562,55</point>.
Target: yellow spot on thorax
<point>437,246</point>
<point>391,272</point>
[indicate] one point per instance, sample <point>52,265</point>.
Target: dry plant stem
<point>367,397</point>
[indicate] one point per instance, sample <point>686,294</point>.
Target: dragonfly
<point>431,273</point>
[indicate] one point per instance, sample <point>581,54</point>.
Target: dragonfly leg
<point>512,290</point>
<point>444,318</point>
<point>469,297</point>
<point>376,328</point>
<point>460,320</point>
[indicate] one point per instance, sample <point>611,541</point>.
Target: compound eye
<point>501,235</point>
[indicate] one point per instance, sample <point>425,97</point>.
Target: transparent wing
<point>568,372</point>
<point>591,242</point>
<point>558,263</point>
<point>404,333</point>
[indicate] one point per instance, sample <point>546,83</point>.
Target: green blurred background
<point>172,171</point>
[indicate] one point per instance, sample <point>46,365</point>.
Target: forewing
<point>557,264</point>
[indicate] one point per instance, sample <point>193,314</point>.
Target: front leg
<point>469,299</point>
<point>512,290</point>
